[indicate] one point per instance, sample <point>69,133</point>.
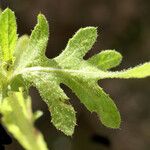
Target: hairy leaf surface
<point>36,44</point>
<point>24,64</point>
<point>106,59</point>
<point>63,114</point>
<point>79,75</point>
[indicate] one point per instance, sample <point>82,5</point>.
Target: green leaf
<point>31,67</point>
<point>72,70</point>
<point>106,59</point>
<point>80,75</point>
<point>36,45</point>
<point>8,34</point>
<point>19,120</point>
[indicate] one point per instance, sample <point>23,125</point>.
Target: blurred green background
<point>123,25</point>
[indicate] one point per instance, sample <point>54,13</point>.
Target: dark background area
<point>123,25</point>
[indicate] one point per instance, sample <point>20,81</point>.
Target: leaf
<point>19,120</point>
<point>72,70</point>
<point>106,59</point>
<point>80,75</point>
<point>66,69</point>
<point>8,34</point>
<point>36,45</point>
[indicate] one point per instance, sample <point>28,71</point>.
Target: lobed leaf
<point>78,74</point>
<point>71,69</point>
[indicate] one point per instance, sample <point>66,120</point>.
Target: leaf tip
<point>42,21</point>
<point>112,121</point>
<point>41,17</point>
<point>90,29</point>
<point>8,10</point>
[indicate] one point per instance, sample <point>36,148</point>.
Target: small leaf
<point>8,34</point>
<point>18,118</point>
<point>106,59</point>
